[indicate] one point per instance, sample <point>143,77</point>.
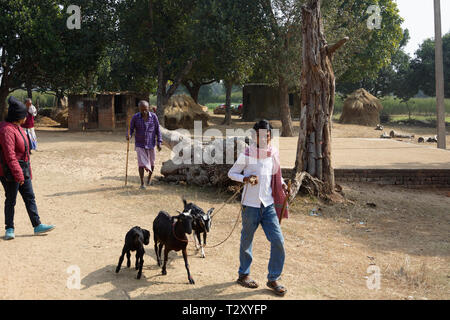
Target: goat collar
<point>175,235</point>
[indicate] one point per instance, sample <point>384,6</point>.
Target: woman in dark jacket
<point>14,148</point>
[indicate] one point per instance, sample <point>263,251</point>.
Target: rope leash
<point>237,218</point>
<point>229,200</point>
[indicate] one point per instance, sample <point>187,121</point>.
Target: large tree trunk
<point>228,88</point>
<point>287,129</point>
<point>317,104</point>
<point>164,94</point>
<point>161,99</point>
<point>29,91</point>
<point>193,88</point>
<point>3,104</point>
<point>59,99</point>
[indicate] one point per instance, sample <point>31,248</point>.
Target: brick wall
<point>75,121</point>
<point>106,116</point>
<point>413,178</point>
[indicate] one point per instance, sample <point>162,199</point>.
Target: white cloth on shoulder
<point>33,111</point>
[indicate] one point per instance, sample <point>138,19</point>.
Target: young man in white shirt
<point>256,167</point>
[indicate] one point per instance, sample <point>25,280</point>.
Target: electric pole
<point>439,75</point>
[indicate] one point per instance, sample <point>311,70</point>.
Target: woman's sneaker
<point>9,234</point>
<point>43,228</point>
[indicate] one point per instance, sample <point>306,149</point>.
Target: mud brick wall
<point>106,117</point>
<point>412,178</point>
<point>76,112</point>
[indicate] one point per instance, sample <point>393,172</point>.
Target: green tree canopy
<point>423,66</point>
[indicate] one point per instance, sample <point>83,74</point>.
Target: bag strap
<point>25,144</point>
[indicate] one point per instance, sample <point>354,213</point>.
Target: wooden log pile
<point>193,162</point>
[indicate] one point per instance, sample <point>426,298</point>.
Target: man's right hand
<point>253,180</point>
<point>128,138</point>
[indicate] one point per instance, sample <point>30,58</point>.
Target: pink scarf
<point>277,183</point>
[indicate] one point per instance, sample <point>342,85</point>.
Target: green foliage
<point>45,100</point>
<point>423,66</point>
<point>368,51</point>
<point>38,50</point>
<point>394,78</point>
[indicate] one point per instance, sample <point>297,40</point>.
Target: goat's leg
<point>191,280</point>
<point>124,250</point>
<point>140,257</point>
<point>202,252</point>
<point>202,245</point>
<point>159,254</point>
<point>198,239</point>
<point>137,259</point>
<point>166,256</point>
<point>128,259</point>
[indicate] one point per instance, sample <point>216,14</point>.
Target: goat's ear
<point>210,211</point>
<point>184,202</point>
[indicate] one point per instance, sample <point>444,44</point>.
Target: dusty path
<point>78,180</point>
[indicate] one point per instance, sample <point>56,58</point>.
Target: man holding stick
<point>146,125</point>
<point>263,202</point>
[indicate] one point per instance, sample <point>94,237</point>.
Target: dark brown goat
<point>170,232</point>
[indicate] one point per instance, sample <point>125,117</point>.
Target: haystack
<point>182,111</point>
<point>61,116</point>
<point>361,108</point>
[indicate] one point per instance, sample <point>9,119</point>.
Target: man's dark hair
<point>263,125</point>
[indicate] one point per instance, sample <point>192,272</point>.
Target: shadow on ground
<point>125,282</point>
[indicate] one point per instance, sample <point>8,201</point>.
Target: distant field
<point>416,106</point>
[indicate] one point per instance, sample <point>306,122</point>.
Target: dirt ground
<point>79,185</point>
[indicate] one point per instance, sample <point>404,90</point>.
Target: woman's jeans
<point>267,217</point>
<point>26,190</point>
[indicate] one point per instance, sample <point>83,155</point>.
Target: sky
<point>418,17</point>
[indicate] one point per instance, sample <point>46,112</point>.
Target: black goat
<point>170,232</point>
<point>201,223</point>
<point>135,240</point>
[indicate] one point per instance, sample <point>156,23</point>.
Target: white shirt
<point>254,195</point>
<point>33,111</point>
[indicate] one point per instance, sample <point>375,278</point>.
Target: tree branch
<point>267,6</point>
<point>332,49</point>
<point>180,77</point>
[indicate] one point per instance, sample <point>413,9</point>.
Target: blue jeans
<point>26,190</point>
<point>267,217</point>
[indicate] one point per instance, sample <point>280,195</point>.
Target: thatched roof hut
<point>182,111</point>
<point>361,108</point>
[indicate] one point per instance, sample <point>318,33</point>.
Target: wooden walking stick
<point>285,201</point>
<point>128,151</point>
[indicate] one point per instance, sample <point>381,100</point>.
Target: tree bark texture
<point>317,102</point>
<point>228,88</point>
<point>285,110</point>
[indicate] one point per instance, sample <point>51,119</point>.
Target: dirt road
<point>78,180</point>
